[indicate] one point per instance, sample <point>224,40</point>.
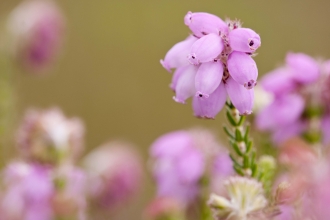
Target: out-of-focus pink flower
<point>48,136</point>
<point>300,91</point>
<point>221,53</point>
<point>115,173</point>
<point>28,192</point>
<point>283,112</point>
<point>164,208</point>
<point>36,30</point>
<point>182,158</point>
<point>178,166</point>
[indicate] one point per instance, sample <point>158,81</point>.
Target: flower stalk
<point>244,156</point>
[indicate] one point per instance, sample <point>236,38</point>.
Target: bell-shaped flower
<point>243,69</point>
<point>284,111</point>
<point>278,81</point>
<point>244,40</point>
<point>241,98</point>
<point>205,49</point>
<point>185,85</point>
<point>177,56</point>
<point>208,78</point>
<point>304,68</point>
<point>201,23</point>
<point>211,106</point>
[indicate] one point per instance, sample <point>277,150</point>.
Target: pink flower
<point>218,53</point>
<point>115,172</point>
<point>178,166</point>
<point>36,28</point>
<point>299,88</point>
<point>181,158</point>
<point>28,192</point>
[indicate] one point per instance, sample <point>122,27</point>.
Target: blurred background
<point>109,73</point>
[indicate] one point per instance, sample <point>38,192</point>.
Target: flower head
<point>36,28</point>
<point>213,62</point>
<point>245,199</point>
<point>47,136</point>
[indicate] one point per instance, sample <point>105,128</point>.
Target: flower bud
<point>208,78</point>
<point>36,28</point>
<point>211,106</point>
<point>243,69</point>
<point>241,97</point>
<point>177,56</point>
<point>201,23</point>
<point>205,49</point>
<point>244,40</point>
<point>184,83</point>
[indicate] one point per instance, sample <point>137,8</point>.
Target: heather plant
<point>196,174</point>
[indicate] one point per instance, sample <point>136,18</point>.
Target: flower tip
<point>254,43</point>
<point>165,65</point>
<point>250,84</point>
<point>178,100</point>
<point>201,95</point>
<point>204,117</point>
<point>246,113</point>
<point>187,18</point>
<point>192,59</point>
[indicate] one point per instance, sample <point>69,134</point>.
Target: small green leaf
<point>246,161</point>
<point>231,119</point>
<point>241,120</point>
<point>237,150</point>
<point>238,135</point>
<point>229,133</point>
<point>234,160</point>
<point>246,135</point>
<point>238,170</point>
<point>249,146</point>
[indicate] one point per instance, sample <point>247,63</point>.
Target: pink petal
<point>176,76</point>
<point>241,98</point>
<point>286,132</point>
<point>284,111</point>
<point>304,68</point>
<point>201,24</point>
<point>244,40</point>
<point>243,69</point>
<point>185,86</point>
<point>210,107</point>
<point>278,81</point>
<point>208,78</point>
<point>177,55</point>
<point>205,49</point>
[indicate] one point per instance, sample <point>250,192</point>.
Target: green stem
<point>243,156</point>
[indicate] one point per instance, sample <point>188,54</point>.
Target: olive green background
<point>109,72</point>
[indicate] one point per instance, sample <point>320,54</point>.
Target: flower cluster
<point>45,183</point>
<point>214,60</point>
<point>246,198</point>
<point>299,98</point>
